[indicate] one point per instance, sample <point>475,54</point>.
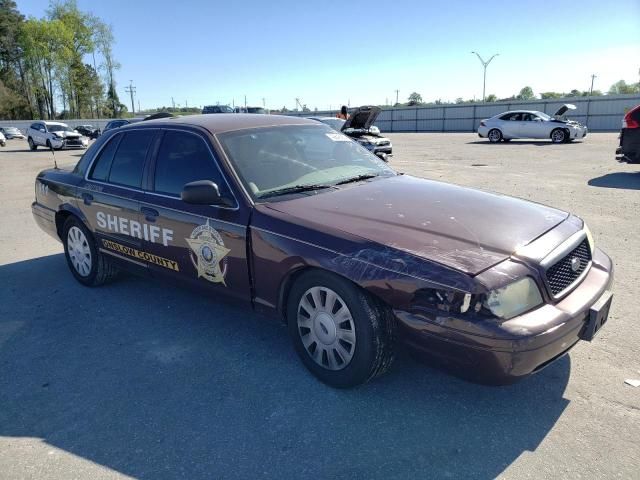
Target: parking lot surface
<point>144,380</point>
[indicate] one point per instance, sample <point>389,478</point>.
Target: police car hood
<point>463,228</point>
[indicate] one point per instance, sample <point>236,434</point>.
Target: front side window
<point>183,158</point>
<point>269,160</point>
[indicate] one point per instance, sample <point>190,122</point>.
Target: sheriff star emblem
<point>208,253</point>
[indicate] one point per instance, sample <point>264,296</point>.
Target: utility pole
<point>245,104</point>
<point>173,103</point>
<point>131,90</point>
<point>186,104</point>
<point>593,76</point>
<point>264,103</point>
<point>397,92</point>
<point>485,65</point>
<point>139,106</point>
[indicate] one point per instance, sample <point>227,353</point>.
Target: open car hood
<point>563,109</point>
<point>362,118</point>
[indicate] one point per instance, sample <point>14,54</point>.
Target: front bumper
<point>63,143</point>
<point>515,348</point>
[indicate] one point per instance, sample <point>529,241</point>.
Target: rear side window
<point>128,161</point>
<point>183,158</point>
<point>102,165</point>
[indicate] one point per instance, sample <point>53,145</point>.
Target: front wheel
<point>494,135</point>
<point>90,267</point>
<point>341,334</point>
<point>558,136</point>
<point>32,144</point>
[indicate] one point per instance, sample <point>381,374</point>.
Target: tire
<point>494,135</point>
<point>89,267</point>
<point>558,135</point>
<point>32,145</point>
<point>362,336</point>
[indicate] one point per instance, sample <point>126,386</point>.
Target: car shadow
<point>159,382</point>
<point>624,180</point>
<point>538,143</point>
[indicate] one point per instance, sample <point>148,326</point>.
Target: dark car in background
<point>360,128</point>
<point>11,133</point>
<point>88,131</point>
<point>120,122</point>
<point>629,149</point>
<point>299,221</point>
<point>217,109</point>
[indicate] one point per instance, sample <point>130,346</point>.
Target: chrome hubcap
<point>494,136</point>
<point>558,136</point>
<point>326,328</point>
<point>79,251</point>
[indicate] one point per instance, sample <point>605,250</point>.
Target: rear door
<point>202,245</point>
<point>111,197</point>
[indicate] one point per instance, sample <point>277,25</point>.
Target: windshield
<point>289,157</point>
<point>543,115</point>
<point>59,128</point>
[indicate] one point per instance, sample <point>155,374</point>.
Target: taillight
<point>632,118</point>
<point>482,124</point>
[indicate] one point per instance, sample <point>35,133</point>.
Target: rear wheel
<point>32,145</point>
<point>558,135</point>
<point>87,264</point>
<point>340,333</point>
<point>494,135</point>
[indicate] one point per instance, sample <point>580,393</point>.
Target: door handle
<point>150,214</point>
<point>87,198</point>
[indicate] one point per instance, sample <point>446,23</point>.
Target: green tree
<point>526,94</point>
<point>550,95</point>
<point>414,99</point>
<point>491,98</point>
<point>621,87</point>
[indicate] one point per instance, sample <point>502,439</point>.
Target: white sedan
<point>532,124</point>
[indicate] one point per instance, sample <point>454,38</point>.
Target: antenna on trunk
<point>55,164</point>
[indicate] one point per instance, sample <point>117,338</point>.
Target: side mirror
<point>202,192</point>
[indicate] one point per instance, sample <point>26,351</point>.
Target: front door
<point>202,245</point>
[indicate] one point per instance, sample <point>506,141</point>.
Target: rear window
<point>102,165</point>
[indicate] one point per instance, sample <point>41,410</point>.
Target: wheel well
<point>61,218</point>
<point>292,276</point>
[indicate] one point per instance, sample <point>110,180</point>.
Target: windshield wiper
<point>293,189</point>
<point>364,176</point>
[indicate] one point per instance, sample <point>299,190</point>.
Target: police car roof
<point>224,122</point>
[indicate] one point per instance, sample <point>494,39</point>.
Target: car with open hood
<point>532,124</point>
<point>360,128</point>
<point>54,135</point>
<point>300,222</point>
<point>88,131</point>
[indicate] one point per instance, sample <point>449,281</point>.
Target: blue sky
<point>335,52</point>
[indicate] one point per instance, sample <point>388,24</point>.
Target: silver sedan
<point>532,124</point>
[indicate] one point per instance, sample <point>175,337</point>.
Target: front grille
<point>73,142</point>
<point>562,274</point>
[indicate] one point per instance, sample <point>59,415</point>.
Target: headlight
<point>514,299</point>
<point>592,244</point>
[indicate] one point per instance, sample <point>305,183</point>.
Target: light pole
<point>485,65</point>
<point>593,77</point>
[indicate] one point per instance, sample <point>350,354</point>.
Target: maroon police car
<point>299,221</point>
